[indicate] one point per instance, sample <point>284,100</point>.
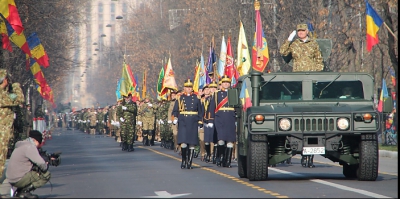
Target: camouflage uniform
<point>119,114</point>
<point>129,112</point>
<point>92,116</point>
<point>100,121</point>
<point>174,128</point>
<point>306,54</point>
<point>165,127</point>
<point>138,126</point>
<point>147,118</point>
<point>86,121</point>
<point>7,100</point>
<point>18,127</point>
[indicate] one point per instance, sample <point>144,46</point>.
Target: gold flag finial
<point>256,5</point>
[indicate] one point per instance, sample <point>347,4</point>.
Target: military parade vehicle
<point>305,113</point>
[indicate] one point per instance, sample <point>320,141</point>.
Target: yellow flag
<point>144,89</point>
<point>243,54</point>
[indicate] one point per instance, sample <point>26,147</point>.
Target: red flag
<point>230,68</point>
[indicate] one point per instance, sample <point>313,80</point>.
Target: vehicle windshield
<point>346,90</point>
<point>282,91</point>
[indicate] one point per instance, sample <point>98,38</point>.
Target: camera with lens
<point>53,159</point>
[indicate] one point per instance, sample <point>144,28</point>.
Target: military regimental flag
<point>127,83</point>
<point>202,73</point>
<point>230,68</point>
<point>260,54</point>
<point>222,59</point>
<point>144,85</point>
<point>373,23</point>
<point>169,79</point>
<point>383,96</point>
<point>160,80</point>
<point>117,91</point>
<point>196,78</point>
<point>243,57</point>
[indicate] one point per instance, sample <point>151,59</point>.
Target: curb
<point>388,154</point>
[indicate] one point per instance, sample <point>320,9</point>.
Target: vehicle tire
<point>257,158</point>
<point>369,158</point>
<point>350,171</point>
<point>242,166</point>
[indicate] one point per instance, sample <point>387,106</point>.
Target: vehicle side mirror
<point>233,97</point>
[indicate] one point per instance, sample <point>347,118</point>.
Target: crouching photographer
<point>27,170</point>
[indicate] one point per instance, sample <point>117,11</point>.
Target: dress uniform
<point>224,118</point>
<point>188,115</point>
<point>210,134</point>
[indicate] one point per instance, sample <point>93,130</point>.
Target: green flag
<point>127,81</point>
<point>160,80</point>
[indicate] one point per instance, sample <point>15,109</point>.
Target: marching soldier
<point>210,135</point>
<point>117,113</point>
<point>174,128</point>
<point>224,119</point>
<point>100,119</point>
<point>128,121</point>
<point>208,131</point>
<point>188,115</point>
<point>162,120</point>
<point>147,121</point>
<point>139,127</point>
<point>92,116</point>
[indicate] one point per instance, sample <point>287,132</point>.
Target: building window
<point>125,8</point>
<point>112,17</point>
<point>112,8</point>
<point>100,17</point>
<point>100,7</point>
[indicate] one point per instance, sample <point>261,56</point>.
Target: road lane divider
<point>235,179</point>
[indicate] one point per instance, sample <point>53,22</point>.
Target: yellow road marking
<point>277,195</point>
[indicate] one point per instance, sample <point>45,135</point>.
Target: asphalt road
<point>93,166</point>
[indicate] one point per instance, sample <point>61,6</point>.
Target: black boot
<point>310,162</point>
<point>190,159</point>
<point>130,148</point>
<point>208,153</point>
<point>220,155</point>
<point>124,146</point>
<point>183,164</point>
<point>153,136</point>
<point>228,157</point>
<point>163,144</point>
<point>214,156</point>
<point>25,193</point>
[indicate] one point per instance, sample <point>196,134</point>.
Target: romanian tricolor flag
<point>245,97</point>
<point>17,39</point>
<point>37,73</point>
<point>384,95</point>
<point>10,12</point>
<point>373,22</point>
<point>4,36</point>
<point>37,50</point>
<point>260,54</point>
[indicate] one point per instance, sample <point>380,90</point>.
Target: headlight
<point>343,124</point>
<point>284,124</point>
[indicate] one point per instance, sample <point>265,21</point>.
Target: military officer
<point>188,115</point>
<point>128,121</point>
<point>100,121</point>
<point>8,99</point>
<point>147,121</point>
<point>92,120</point>
<point>162,120</point>
<point>305,50</point>
<point>118,114</point>
<point>224,119</point>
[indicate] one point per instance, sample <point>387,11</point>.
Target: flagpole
<point>387,27</point>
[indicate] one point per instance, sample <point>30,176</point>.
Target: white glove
<point>210,125</point>
<point>150,105</point>
<point>112,121</point>
<point>88,120</point>
<point>175,121</point>
<point>97,121</point>
<point>122,119</point>
<point>158,122</point>
<point>291,36</point>
<point>161,122</point>
<point>169,121</point>
<point>124,108</point>
<point>139,122</point>
<point>117,124</point>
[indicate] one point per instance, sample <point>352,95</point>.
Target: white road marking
<point>359,191</point>
<point>165,194</point>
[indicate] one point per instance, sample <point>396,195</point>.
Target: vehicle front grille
<point>314,124</point>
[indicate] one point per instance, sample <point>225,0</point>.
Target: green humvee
<point>306,113</point>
